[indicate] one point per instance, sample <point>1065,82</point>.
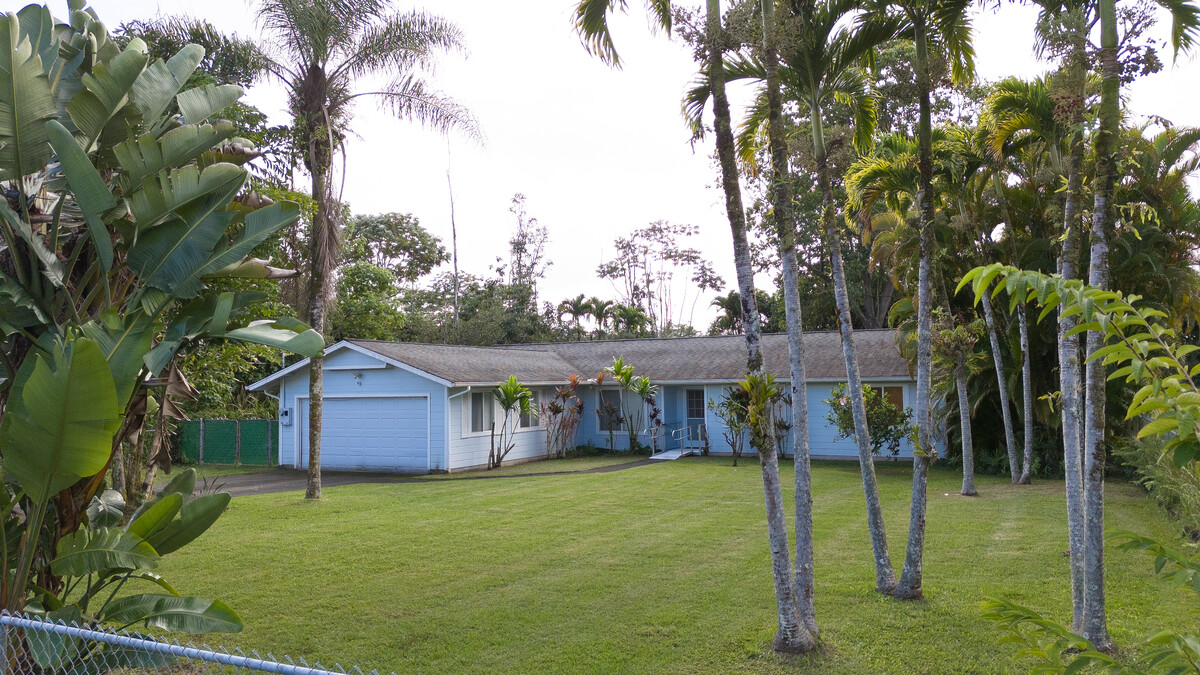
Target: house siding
<point>378,379</point>
<point>470,450</point>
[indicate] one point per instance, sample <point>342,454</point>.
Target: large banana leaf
<point>162,194</point>
<point>50,262</point>
<point>103,549</point>
<point>124,342</point>
<point>195,518</point>
<point>105,91</point>
<point>62,425</point>
<point>25,104</point>
<point>259,225</point>
<point>183,484</point>
<point>201,103</point>
<point>156,517</point>
<point>88,188</point>
<point>55,651</point>
<point>170,257</point>
<point>147,155</point>
<point>168,612</point>
<point>159,82</point>
<point>285,333</point>
<point>37,26</point>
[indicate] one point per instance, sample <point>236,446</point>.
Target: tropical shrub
<point>516,401</point>
<point>124,199</point>
<point>730,408</point>
<point>887,424</point>
<point>562,414</point>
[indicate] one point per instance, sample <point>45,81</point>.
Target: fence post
<point>200,458</point>
<point>237,442</point>
<point>4,670</point>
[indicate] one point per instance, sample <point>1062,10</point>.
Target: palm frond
<point>1185,25</point>
<point>409,98</point>
<point>401,42</point>
<point>591,25</point>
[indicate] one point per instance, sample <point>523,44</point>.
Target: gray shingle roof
<point>475,365</point>
<point>715,358</point>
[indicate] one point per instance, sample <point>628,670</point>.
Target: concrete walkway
<point>292,480</point>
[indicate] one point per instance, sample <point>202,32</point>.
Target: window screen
<point>612,397</point>
<point>895,396</point>
<point>483,413</point>
<point>531,420</point>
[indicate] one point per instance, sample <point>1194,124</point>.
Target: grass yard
<point>660,568</point>
<point>566,465</point>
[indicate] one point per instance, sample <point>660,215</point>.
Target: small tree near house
<point>516,400</point>
<point>730,408</point>
<point>562,414</point>
<point>887,424</point>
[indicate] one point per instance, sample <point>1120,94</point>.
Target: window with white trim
<point>530,420</point>
<point>483,411</point>
<point>610,400</point>
<point>895,396</point>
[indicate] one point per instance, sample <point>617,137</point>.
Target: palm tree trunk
<point>1010,442</point>
<point>885,574</point>
<point>727,156</point>
<point>964,423</point>
<point>1095,625</point>
<point>801,638</point>
<point>911,576</point>
<point>1068,345</point>
<point>321,254</point>
<point>1027,397</point>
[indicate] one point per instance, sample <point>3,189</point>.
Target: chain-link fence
<point>246,442</point>
<point>35,646</point>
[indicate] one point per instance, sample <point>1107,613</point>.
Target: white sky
<point>597,152</point>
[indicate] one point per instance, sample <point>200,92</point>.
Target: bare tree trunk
<point>885,574</point>
<point>1027,397</point>
<point>964,422</point>
<point>1010,442</point>
<point>911,576</point>
<point>322,251</point>
<point>1068,345</point>
<point>116,470</point>
<point>801,638</point>
<point>1095,624</point>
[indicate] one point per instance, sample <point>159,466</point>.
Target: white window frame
<point>536,422</point>
<point>469,418</point>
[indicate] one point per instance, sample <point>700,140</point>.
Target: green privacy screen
<point>248,442</point>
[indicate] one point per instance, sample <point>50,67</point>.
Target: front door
<point>693,437</point>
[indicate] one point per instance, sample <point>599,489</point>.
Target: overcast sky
<point>597,152</point>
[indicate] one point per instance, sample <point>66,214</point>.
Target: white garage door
<point>381,434</point>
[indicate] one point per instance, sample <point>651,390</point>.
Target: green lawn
<point>660,568</point>
<point>566,465</point>
<point>211,471</point>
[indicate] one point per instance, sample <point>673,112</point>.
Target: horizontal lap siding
<point>374,382</point>
<point>471,450</point>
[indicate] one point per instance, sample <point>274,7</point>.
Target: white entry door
<point>370,434</point>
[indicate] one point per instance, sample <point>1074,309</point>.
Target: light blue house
<point>417,408</point>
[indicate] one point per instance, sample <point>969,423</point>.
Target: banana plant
<point>122,202</point>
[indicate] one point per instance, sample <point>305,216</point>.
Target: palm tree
<point>592,26</point>
<point>820,65</point>
<point>577,307</point>
<point>319,50</point>
<point>954,354</point>
<point>793,635</point>
<point>601,311</point>
<point>630,319</point>
<point>943,23</point>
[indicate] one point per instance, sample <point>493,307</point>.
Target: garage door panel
<point>371,433</point>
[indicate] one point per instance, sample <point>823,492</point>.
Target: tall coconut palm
<point>942,25</point>
<point>601,312</point>
<point>320,50</point>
